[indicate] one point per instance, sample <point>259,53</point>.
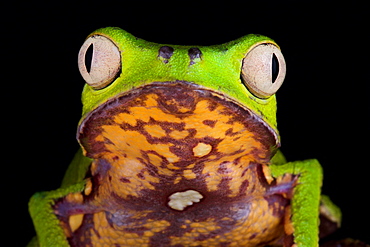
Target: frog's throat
<point>175,163</point>
<point>173,125</point>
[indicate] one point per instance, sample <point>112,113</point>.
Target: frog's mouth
<point>179,121</point>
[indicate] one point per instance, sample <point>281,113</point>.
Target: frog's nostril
<point>165,53</point>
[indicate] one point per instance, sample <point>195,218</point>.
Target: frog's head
<point>178,104</point>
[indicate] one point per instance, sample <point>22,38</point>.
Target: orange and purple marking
<point>176,165</point>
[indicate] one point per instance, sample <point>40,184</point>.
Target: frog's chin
<point>175,121</point>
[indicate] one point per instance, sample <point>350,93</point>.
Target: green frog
<point>180,147</point>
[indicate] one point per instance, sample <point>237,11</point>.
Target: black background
<point>323,105</point>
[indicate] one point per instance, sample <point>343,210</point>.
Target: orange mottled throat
<point>175,163</point>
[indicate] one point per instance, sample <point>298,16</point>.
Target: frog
<point>179,146</point>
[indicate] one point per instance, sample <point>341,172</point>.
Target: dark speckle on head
<point>165,52</point>
<point>194,54</point>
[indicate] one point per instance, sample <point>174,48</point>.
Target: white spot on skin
<point>202,149</point>
<point>181,200</point>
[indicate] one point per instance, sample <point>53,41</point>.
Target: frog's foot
<point>284,186</point>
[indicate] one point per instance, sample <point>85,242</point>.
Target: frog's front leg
<point>47,225</point>
<point>302,219</point>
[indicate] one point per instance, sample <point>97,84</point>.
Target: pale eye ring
<point>263,70</point>
<point>99,61</point>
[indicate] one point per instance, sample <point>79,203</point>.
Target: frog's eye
<point>99,61</point>
<point>263,70</point>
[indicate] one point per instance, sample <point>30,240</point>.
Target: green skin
<point>218,71</point>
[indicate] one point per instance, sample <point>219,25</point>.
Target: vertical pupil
<point>274,67</point>
<point>88,57</point>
